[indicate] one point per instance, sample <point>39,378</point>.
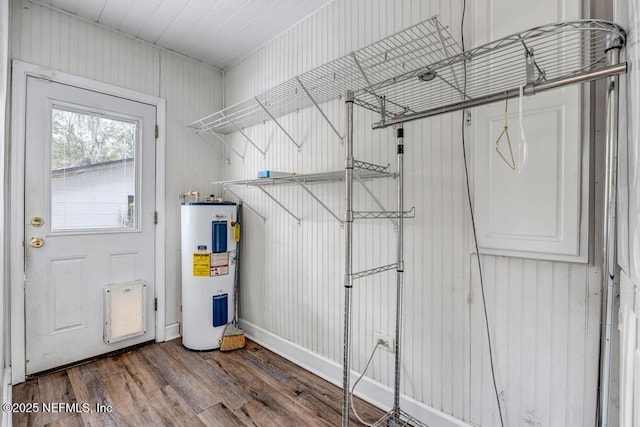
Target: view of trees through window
<point>80,139</point>
<point>93,171</point>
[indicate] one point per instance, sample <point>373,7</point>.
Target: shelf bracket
<point>319,109</point>
<point>243,134</point>
<point>376,270</point>
<point>277,123</point>
<point>384,214</point>
<point>370,166</point>
<point>227,145</point>
<point>447,55</point>
<point>531,65</point>
<point>244,203</point>
<point>453,86</point>
<point>305,188</point>
<point>364,76</point>
<point>279,204</point>
<point>370,193</point>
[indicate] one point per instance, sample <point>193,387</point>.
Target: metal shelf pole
<point>348,277</point>
<point>400,274</point>
<point>609,262</point>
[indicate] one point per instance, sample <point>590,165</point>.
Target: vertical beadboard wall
<point>544,316</point>
<point>61,42</point>
<point>193,161</point>
<point>628,13</point>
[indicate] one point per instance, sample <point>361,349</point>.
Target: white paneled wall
<point>628,12</point>
<point>61,42</point>
<point>193,161</point>
<point>544,315</point>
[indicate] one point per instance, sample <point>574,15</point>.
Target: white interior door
<point>536,207</point>
<point>89,224</point>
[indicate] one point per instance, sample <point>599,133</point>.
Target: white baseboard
<point>7,397</point>
<point>172,331</point>
<point>373,392</point>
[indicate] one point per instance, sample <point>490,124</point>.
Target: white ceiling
<point>218,32</point>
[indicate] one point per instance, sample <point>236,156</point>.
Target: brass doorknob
<point>37,242</point>
<point>37,221</point>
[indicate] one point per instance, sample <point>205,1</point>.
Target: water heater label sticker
<point>201,264</point>
<point>220,264</point>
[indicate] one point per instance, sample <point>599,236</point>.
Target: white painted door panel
<point>499,18</point>
<point>95,194</point>
<point>537,206</point>
<point>539,210</point>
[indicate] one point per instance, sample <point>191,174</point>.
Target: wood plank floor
<point>167,385</point>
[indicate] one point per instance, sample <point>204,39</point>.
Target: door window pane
<point>93,170</point>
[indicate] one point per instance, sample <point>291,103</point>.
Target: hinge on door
<point>155,304</point>
<point>155,217</point>
<point>157,132</point>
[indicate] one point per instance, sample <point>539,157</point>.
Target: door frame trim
<point>15,232</point>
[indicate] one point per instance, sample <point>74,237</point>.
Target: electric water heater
<point>208,270</point>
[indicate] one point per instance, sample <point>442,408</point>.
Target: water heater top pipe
<point>195,194</point>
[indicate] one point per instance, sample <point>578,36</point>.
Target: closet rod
<point>529,89</point>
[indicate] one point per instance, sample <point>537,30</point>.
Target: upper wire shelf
<point>423,69</point>
<point>415,47</point>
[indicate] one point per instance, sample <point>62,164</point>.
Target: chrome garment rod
<point>530,89</point>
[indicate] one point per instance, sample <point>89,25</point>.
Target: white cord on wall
<point>522,147</point>
<point>356,383</point>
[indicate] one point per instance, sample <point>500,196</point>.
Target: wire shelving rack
<point>421,72</point>
<point>523,64</point>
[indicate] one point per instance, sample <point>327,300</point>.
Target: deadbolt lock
<point>37,221</point>
<point>37,242</point>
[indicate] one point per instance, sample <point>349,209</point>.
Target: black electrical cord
<point>473,226</point>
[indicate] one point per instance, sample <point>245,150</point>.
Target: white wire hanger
<point>511,162</point>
